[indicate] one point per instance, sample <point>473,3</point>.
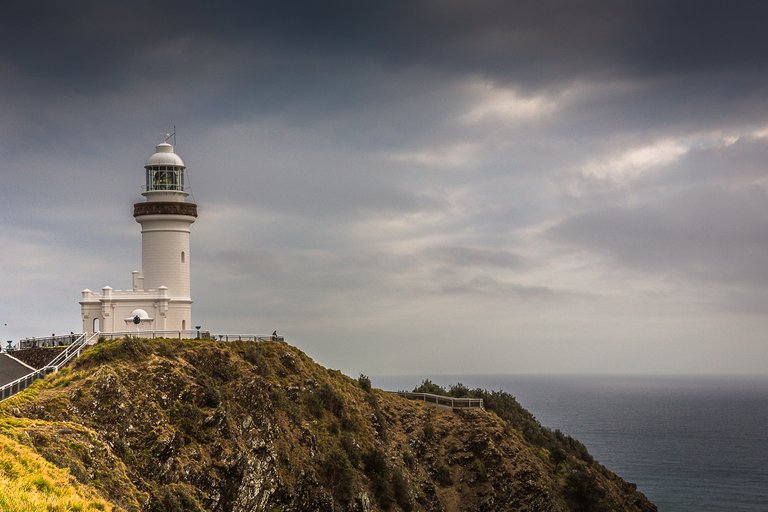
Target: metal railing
<point>190,334</point>
<point>245,337</point>
<point>49,341</point>
<point>61,359</point>
<point>444,401</point>
<point>151,333</point>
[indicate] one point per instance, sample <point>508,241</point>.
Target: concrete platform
<point>10,370</point>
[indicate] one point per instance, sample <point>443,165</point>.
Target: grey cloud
<point>489,286</point>
<point>708,233</point>
<point>741,162</point>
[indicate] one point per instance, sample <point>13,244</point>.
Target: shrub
<point>354,453</point>
<point>427,386</point>
<point>314,405</point>
<point>349,423</point>
<point>479,468</point>
<point>584,494</point>
<point>210,396</point>
<point>365,382</point>
<point>188,417</point>
<point>400,490</point>
<point>442,474</point>
<point>176,498</point>
<point>339,474</point>
<point>378,472</point>
<point>429,429</point>
<point>253,355</point>
<point>331,400</point>
<point>325,399</point>
<point>557,455</point>
<point>459,390</point>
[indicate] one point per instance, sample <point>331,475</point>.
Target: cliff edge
<point>168,425</point>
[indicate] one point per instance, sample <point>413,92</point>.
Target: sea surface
<point>691,444</point>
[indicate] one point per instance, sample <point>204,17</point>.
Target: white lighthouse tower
<point>160,296</point>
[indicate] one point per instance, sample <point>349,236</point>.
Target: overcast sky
<point>411,187</point>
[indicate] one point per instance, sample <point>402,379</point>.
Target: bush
<point>325,399</point>
<point>557,455</point>
<point>331,400</point>
<point>188,417</point>
<point>253,355</point>
<point>429,429</point>
<point>459,390</point>
<point>210,395</point>
<point>377,470</point>
<point>400,490</point>
<point>352,449</point>
<point>365,382</point>
<point>349,423</point>
<point>339,475</point>
<point>176,498</point>
<point>584,494</point>
<point>442,474</point>
<point>314,405</point>
<point>427,386</point>
<point>479,468</point>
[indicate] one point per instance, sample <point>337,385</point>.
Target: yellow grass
<point>29,483</point>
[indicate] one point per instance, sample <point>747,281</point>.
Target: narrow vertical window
<point>183,258</point>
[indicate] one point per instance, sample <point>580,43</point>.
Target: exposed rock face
<point>241,427</point>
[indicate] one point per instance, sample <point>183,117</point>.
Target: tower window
<point>183,258</point>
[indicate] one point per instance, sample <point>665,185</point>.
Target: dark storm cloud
<point>94,46</point>
<point>89,63</point>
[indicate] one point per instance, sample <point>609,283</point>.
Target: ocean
<point>691,444</point>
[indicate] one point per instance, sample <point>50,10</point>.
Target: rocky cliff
<point>164,425</point>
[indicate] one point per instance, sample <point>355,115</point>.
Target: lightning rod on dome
<point>169,135</point>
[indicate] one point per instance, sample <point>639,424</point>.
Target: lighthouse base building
<point>159,298</point>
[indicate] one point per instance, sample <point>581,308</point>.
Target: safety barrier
<point>444,401</point>
<point>181,335</point>
<point>63,357</point>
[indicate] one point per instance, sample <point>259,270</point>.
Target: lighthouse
<point>159,298</point>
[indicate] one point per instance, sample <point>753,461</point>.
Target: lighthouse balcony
<point>164,208</point>
<point>107,293</point>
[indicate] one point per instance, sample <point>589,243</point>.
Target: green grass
<point>30,483</point>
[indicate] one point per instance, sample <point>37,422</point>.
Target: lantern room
<point>164,170</point>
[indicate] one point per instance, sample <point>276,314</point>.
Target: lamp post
<point>9,348</point>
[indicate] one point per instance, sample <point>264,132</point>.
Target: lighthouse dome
<point>164,155</point>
